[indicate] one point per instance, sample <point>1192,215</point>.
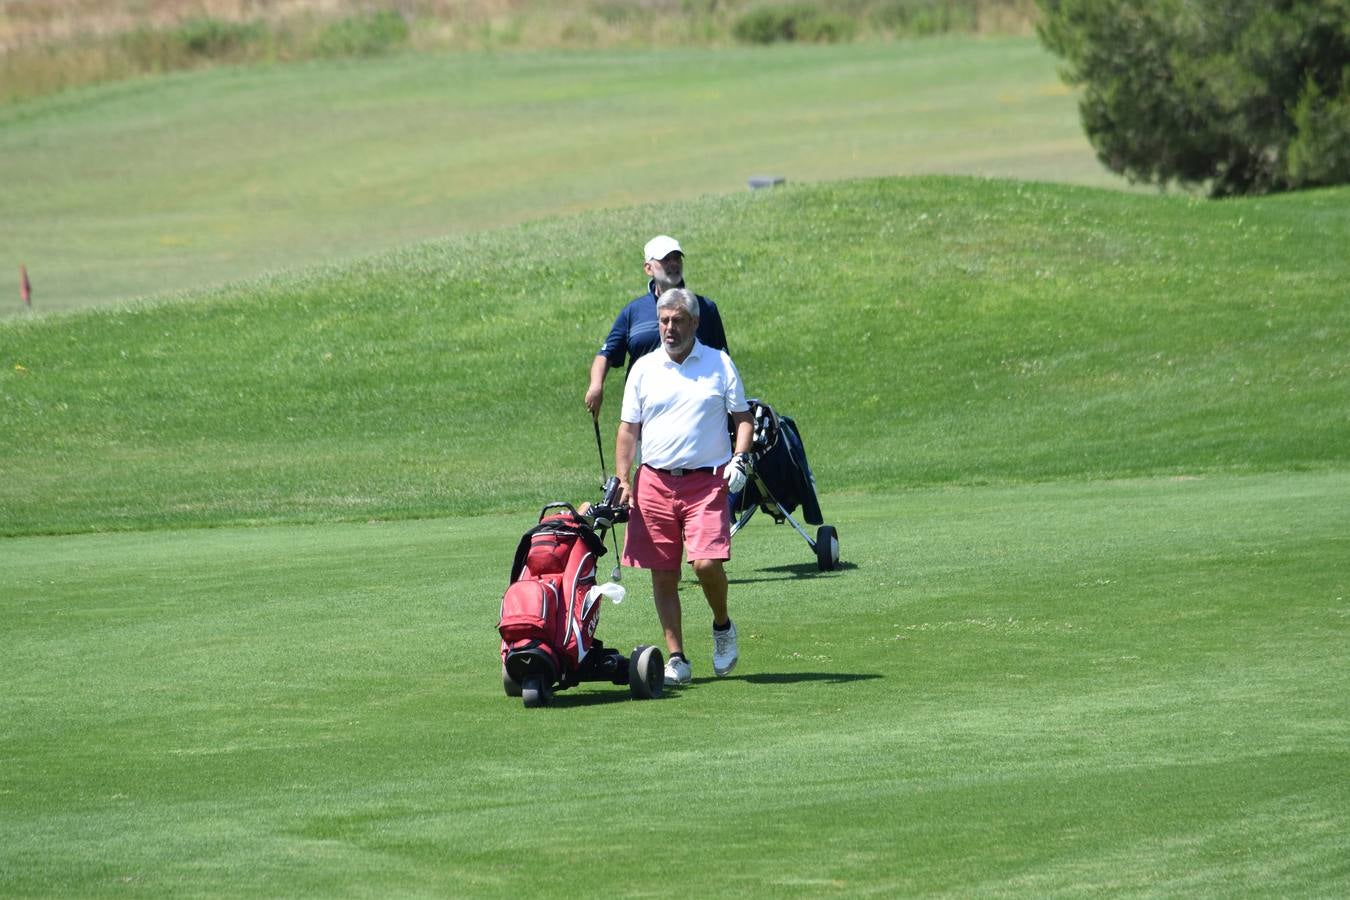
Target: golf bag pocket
<point>548,552</point>
<point>533,610</point>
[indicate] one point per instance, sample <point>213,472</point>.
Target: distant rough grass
<point>50,45</point>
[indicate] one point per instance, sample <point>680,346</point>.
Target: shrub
<point>213,38</point>
<point>926,17</point>
<point>616,12</point>
<point>364,35</point>
<point>1244,96</point>
<point>1320,151</point>
<point>805,23</point>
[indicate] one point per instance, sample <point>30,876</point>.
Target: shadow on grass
<point>797,677</point>
<point>586,697</point>
<point>793,571</point>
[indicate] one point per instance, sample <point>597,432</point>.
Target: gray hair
<point>680,297</point>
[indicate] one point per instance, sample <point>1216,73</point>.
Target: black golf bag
<point>781,481</point>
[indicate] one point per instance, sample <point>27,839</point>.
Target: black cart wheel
<point>646,673</point>
<point>509,684</point>
<point>534,693</point>
<point>827,548</point>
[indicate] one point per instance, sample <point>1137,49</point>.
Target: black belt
<point>681,472</point>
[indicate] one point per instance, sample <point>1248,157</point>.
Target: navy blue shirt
<point>635,332</point>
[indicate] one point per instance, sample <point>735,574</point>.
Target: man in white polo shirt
<point>676,403</point>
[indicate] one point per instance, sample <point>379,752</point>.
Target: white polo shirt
<point>683,407</point>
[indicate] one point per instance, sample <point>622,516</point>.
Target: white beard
<point>663,281</point>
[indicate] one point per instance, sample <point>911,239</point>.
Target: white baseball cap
<point>660,247</point>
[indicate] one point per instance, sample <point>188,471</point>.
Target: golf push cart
<point>780,481</point>
<point>552,607</point>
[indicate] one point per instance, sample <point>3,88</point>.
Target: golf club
<point>595,420</point>
<point>616,574</point>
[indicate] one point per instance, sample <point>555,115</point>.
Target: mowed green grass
<point>171,184</point>
<point>1131,686</point>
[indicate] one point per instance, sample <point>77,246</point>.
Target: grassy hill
<point>1086,451</point>
<point>924,331</point>
<point>167,185</point>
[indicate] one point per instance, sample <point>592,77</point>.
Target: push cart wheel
<point>509,684</point>
<point>646,673</point>
<point>827,548</point>
<point>534,694</point>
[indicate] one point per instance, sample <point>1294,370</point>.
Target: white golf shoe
<point>725,652</point>
<point>678,672</point>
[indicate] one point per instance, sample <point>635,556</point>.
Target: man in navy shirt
<point>635,332</point>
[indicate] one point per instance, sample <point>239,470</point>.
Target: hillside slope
<point>922,331</point>
<point>164,185</point>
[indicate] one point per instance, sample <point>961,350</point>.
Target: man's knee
<point>708,568</point>
<point>665,580</point>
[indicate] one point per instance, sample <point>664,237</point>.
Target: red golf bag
<point>546,608</point>
<point>550,612</point>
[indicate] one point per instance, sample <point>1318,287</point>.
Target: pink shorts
<point>670,513</point>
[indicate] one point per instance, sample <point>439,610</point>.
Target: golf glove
<point>736,472</point>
